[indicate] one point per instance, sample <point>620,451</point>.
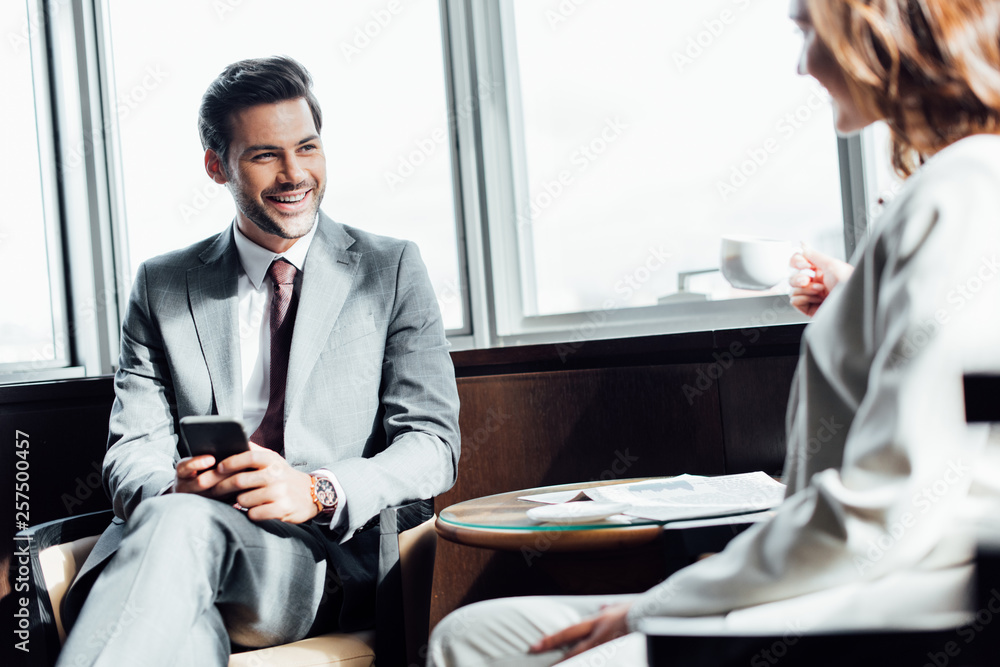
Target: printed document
<point>683,497</point>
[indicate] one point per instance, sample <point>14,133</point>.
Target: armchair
<point>407,546</point>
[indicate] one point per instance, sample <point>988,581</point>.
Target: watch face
<point>326,494</point>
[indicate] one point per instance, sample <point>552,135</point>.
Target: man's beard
<point>255,212</point>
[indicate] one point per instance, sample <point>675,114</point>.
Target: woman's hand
<point>609,624</point>
<point>817,275</point>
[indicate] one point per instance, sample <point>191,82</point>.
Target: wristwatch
<point>324,494</point>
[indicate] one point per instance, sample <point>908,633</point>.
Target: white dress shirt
<point>255,291</point>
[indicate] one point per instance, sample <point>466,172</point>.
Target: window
<point>32,321</point>
<point>567,168</point>
<point>379,75</point>
<point>641,132</point>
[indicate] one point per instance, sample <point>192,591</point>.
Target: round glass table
<point>501,522</point>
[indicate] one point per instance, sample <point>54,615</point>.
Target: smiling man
<point>278,184</point>
<point>327,343</point>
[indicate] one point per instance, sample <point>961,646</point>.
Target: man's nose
<point>292,171</point>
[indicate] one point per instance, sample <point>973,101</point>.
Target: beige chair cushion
<point>355,650</point>
<point>59,565</point>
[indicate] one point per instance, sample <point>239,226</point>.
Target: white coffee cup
<point>755,263</point>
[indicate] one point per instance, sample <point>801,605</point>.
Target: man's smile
<point>289,199</point>
<point>290,202</point>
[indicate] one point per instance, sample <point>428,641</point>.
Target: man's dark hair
<point>248,83</point>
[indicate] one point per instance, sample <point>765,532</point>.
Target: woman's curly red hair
<point>930,68</point>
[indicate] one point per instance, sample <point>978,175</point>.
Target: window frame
<point>453,110</point>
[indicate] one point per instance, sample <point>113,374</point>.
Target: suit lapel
<point>328,277</point>
<point>212,293</point>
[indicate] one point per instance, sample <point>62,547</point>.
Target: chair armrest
<point>694,641</point>
<point>402,594</point>
<point>44,631</point>
<point>61,531</point>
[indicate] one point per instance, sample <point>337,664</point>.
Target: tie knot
<point>281,272</point>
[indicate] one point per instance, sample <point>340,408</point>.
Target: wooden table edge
<point>517,539</point>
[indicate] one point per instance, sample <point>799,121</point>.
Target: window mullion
<point>465,105</point>
<point>37,16</point>
<point>854,190</point>
<point>499,170</point>
<point>91,287</point>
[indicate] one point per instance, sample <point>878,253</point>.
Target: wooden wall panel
<point>754,394</point>
<point>67,427</point>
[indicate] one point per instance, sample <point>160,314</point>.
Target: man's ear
<point>215,168</point>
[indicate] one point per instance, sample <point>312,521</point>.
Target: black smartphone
<point>218,436</point>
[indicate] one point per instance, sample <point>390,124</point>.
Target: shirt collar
<point>256,260</point>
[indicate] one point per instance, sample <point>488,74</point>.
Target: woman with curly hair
<point>881,468</point>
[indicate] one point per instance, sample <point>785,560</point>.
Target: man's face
<point>276,172</point>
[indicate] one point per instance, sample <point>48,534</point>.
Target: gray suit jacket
<point>370,393</point>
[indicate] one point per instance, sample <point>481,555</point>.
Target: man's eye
<point>263,156</point>
<point>309,147</point>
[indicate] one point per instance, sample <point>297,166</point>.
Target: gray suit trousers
<point>194,574</point>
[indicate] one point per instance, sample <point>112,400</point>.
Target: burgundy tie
<point>271,432</point>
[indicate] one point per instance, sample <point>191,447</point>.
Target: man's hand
<point>260,480</point>
<point>585,635</point>
<point>264,484</point>
<point>193,476</point>
<point>817,275</point>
